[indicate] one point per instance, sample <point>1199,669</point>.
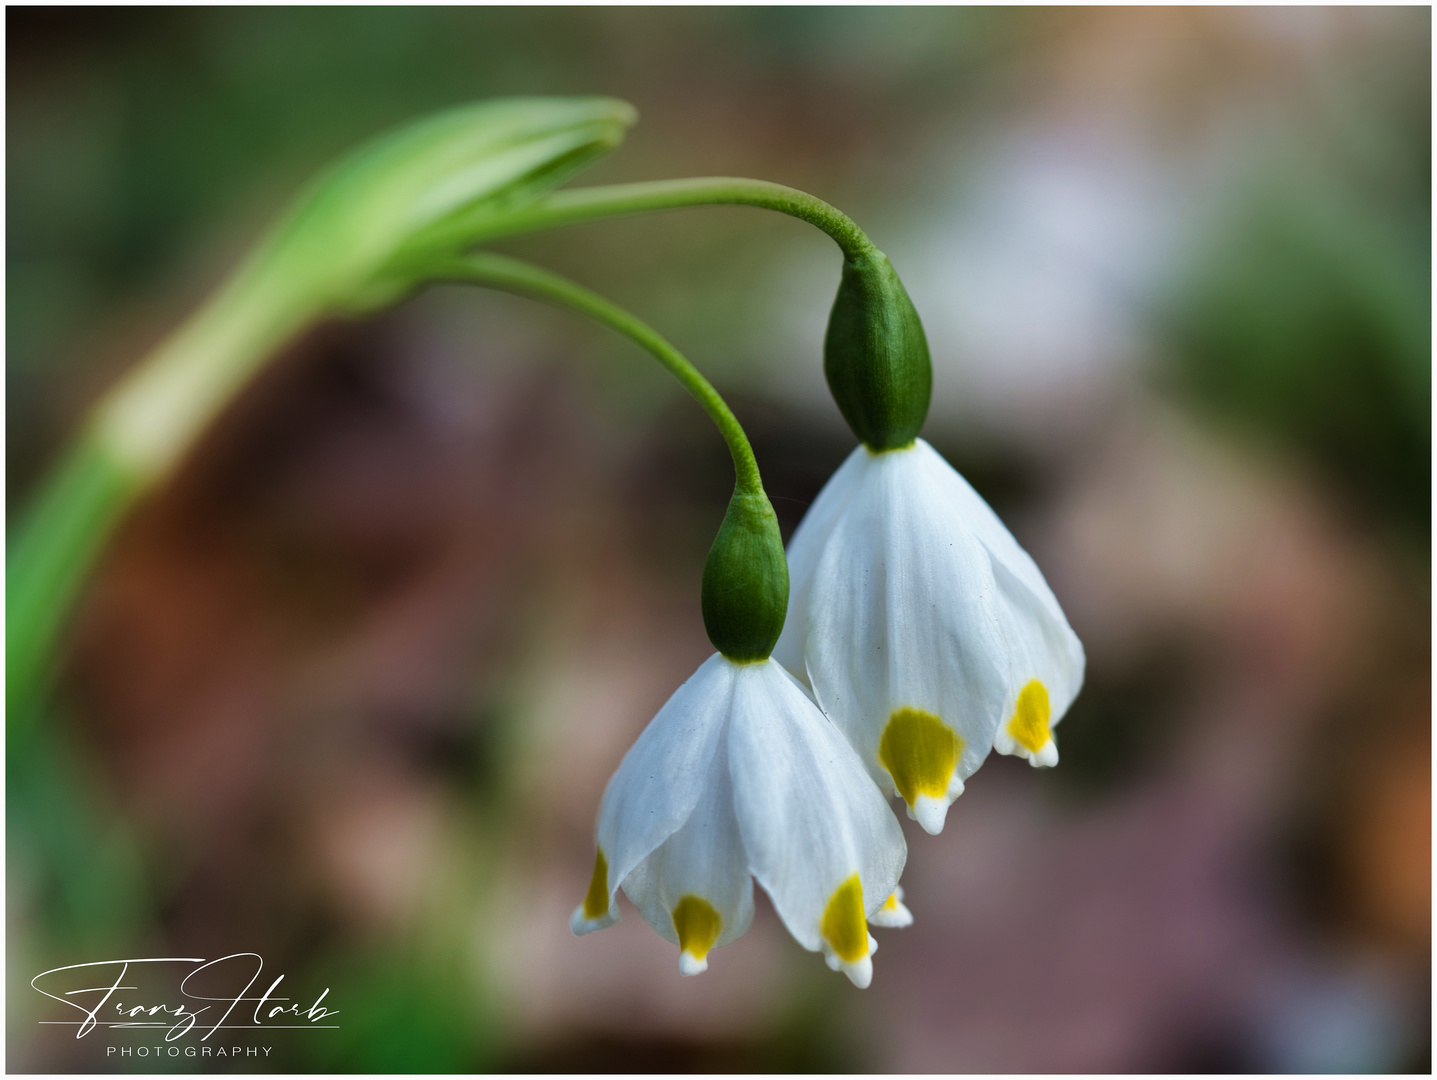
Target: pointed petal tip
<point>689,964</point>
<point>860,972</point>
<point>893,915</point>
<point>579,924</point>
<point>929,813</point>
<point>1045,757</point>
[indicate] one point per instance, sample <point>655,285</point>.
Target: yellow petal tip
<point>698,925</point>
<point>921,755</point>
<point>596,900</point>
<point>1028,725</point>
<point>843,925</point>
<point>894,914</point>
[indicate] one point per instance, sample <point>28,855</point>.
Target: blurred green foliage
<point>142,141</point>
<point>81,861</point>
<point>1305,316</point>
<point>405,1011</point>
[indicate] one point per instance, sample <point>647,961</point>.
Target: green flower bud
<point>745,588</point>
<point>875,355</point>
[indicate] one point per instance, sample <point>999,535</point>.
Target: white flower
<point>928,635</point>
<point>739,776</point>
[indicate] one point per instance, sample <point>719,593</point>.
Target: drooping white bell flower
<point>927,634</point>
<point>740,776</point>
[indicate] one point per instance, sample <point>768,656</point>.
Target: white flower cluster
<point>927,638</point>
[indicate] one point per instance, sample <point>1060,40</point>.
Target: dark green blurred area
<point>1309,321</point>
<point>147,147</point>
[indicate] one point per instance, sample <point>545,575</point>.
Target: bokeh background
<point>346,692</point>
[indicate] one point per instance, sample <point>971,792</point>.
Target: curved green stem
<point>134,438</point>
<point>580,205</point>
<point>511,275</point>
<point>147,422</point>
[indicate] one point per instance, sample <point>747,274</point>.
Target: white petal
<point>804,549</point>
<point>703,864</point>
<point>1040,645</point>
<point>894,914</point>
<point>980,519</point>
<point>1045,671</point>
<point>904,618</point>
<point>813,823</point>
<point>662,777</point>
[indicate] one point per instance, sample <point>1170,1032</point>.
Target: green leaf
<point>359,237</point>
<point>363,229</point>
